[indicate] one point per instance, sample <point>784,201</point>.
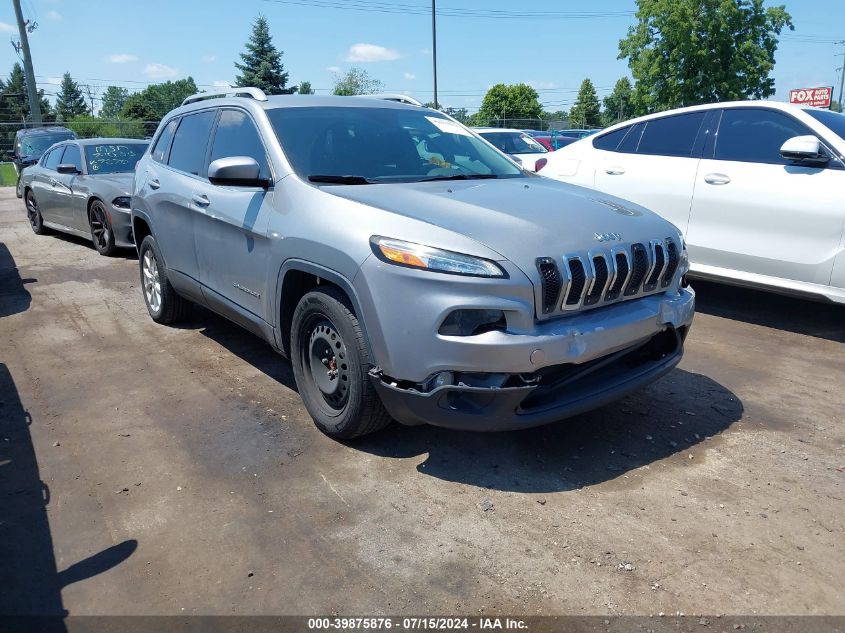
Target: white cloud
<point>54,15</point>
<point>8,28</point>
<point>542,85</point>
<point>222,83</point>
<point>371,53</point>
<point>208,59</point>
<point>410,76</point>
<point>121,58</point>
<point>159,71</point>
<point>333,69</point>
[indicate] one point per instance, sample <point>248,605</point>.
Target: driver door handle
<point>614,171</point>
<point>717,179</point>
<point>200,200</point>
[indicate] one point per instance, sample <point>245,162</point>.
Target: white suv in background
<point>756,187</point>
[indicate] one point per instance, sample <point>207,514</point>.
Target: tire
<point>163,303</point>
<point>18,189</point>
<point>331,361</point>
<point>33,214</point>
<point>101,231</point>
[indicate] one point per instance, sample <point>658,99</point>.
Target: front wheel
<point>33,214</point>
<point>101,231</point>
<point>163,303</point>
<point>330,363</point>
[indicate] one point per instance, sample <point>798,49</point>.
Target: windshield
<point>514,142</point>
<point>833,120</point>
<point>37,144</point>
<point>325,144</point>
<point>112,158</point>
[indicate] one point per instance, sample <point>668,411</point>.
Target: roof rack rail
<point>394,97</point>
<point>253,93</point>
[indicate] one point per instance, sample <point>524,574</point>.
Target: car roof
<point>35,131</point>
<point>300,101</point>
<point>498,129</point>
<point>110,141</point>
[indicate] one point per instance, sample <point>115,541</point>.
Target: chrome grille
<point>602,276</point>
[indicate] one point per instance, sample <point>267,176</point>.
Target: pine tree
<point>617,105</point>
<point>14,104</point>
<point>70,101</point>
<point>586,113</point>
<point>305,88</point>
<point>262,63</point>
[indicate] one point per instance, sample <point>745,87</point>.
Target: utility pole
<point>32,92</point>
<point>841,78</point>
<point>433,47</point>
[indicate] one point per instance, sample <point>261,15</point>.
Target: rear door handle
<point>200,201</point>
<point>614,171</point>
<point>154,183</point>
<point>717,179</point>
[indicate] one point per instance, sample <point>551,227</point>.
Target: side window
<point>611,140</point>
<point>187,153</point>
<point>236,135</point>
<point>672,135</point>
<point>754,135</point>
<point>54,158</point>
<point>72,157</point>
<point>632,140</point>
<point>159,153</point>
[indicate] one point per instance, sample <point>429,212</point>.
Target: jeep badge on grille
<point>608,237</point>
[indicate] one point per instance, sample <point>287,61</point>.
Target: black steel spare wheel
<point>327,364</point>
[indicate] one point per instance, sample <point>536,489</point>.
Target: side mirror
<point>805,149</point>
<point>66,168</point>
<point>239,171</point>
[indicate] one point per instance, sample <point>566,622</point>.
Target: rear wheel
<point>101,231</point>
<point>331,362</point>
<point>163,303</point>
<point>33,214</point>
<point>19,188</point>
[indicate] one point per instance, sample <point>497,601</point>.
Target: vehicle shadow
<point>128,254</point>
<point>14,297</point>
<point>30,583</point>
<point>675,415</point>
<point>792,314</point>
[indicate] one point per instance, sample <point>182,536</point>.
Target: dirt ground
<point>173,470</point>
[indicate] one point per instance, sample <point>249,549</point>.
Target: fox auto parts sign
<point>816,97</point>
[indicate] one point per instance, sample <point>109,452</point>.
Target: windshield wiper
<point>460,177</point>
<point>339,180</point>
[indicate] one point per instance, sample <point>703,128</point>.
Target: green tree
<point>586,112</point>
<point>617,105</point>
<point>515,101</point>
<point>685,52</point>
<point>262,62</point>
<point>70,102</point>
<point>356,81</point>
<point>156,100</point>
<point>113,99</point>
<point>88,127</point>
<point>14,104</point>
<point>835,106</point>
<point>305,88</point>
<point>461,114</point>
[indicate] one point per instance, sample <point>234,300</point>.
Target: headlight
<point>427,258</point>
<point>121,202</point>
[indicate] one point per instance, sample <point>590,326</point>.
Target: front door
<point>230,228</point>
<point>754,211</point>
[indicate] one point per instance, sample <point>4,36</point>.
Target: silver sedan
<point>82,187</point>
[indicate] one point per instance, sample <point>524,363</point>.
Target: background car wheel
<point>101,231</point>
<point>163,303</point>
<point>33,214</point>
<point>330,361</point>
<point>19,188</point>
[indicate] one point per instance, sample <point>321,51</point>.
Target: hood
<point>519,218</point>
<point>118,184</point>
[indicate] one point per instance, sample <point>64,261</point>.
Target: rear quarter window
<point>610,141</point>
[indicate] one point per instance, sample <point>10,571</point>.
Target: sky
<point>549,45</point>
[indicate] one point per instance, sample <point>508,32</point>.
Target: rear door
<point>44,186</point>
<point>230,225</point>
<point>756,212</point>
<point>655,165</point>
<point>174,173</point>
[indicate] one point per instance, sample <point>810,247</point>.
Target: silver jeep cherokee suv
<point>407,268</point>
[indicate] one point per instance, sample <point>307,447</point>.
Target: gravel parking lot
<point>173,470</point>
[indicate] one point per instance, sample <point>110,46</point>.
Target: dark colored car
<point>552,143</point>
<point>31,143</point>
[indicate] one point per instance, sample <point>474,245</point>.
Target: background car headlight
<point>121,202</point>
<point>428,258</point>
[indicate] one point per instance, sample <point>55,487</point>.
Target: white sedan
<point>518,145</point>
<point>756,187</point>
